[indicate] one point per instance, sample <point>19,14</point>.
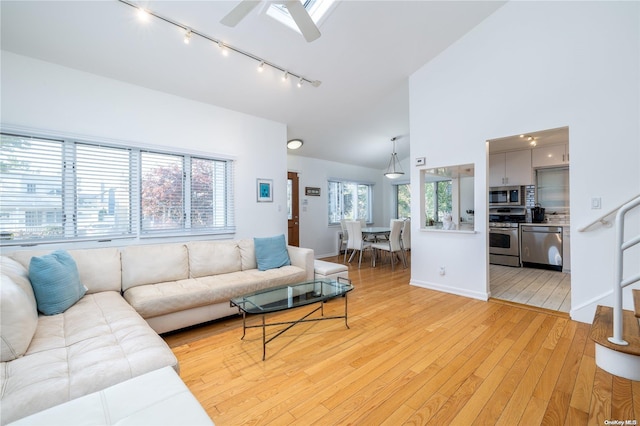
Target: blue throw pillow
<point>271,252</point>
<point>55,281</point>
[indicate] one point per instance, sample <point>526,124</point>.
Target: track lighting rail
<point>190,31</point>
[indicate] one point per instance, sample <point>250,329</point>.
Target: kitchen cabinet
<point>566,249</point>
<point>510,168</point>
<point>550,155</point>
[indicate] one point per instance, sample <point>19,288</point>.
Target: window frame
<point>341,215</point>
<point>396,189</point>
<point>71,202</point>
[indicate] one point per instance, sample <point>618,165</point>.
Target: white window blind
<point>58,189</point>
<point>103,191</point>
<point>31,195</point>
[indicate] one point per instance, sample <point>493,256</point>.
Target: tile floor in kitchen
<point>535,287</point>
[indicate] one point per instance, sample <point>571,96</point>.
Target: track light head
<point>285,76</point>
<point>223,48</point>
<point>187,36</point>
<point>261,66</point>
<point>300,82</point>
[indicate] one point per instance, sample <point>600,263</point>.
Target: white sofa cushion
<point>155,398</point>
<point>19,274</point>
<point>154,263</point>
<point>213,258</point>
<point>99,268</point>
<point>96,343</point>
<point>18,320</point>
<point>247,254</point>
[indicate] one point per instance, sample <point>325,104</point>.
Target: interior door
<point>293,209</point>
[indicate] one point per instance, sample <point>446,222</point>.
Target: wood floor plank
<point>411,356</point>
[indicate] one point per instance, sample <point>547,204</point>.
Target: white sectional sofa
<point>110,335</point>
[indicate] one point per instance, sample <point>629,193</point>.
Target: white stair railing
<point>620,282</point>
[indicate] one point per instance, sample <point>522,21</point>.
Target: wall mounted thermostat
<point>420,161</point>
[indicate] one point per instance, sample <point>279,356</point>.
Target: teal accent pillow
<point>271,252</point>
<point>56,282</point>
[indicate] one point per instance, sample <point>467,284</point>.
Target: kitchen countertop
<point>563,223</point>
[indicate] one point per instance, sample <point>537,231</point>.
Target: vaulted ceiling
<point>366,53</point>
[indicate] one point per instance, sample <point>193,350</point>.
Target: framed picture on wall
<point>265,190</point>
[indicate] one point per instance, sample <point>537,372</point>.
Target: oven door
<point>504,241</point>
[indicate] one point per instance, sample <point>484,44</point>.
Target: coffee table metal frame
<point>246,306</point>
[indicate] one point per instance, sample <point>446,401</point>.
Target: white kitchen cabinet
<point>510,168</point>
<point>566,249</point>
<point>550,155</point>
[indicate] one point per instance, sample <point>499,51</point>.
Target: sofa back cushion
<point>99,268</point>
<point>213,258</point>
<point>19,319</point>
<point>154,263</point>
<point>19,275</point>
<point>247,254</point>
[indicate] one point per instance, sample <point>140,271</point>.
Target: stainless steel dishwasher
<point>541,246</point>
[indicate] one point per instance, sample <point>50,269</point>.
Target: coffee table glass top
<point>290,296</point>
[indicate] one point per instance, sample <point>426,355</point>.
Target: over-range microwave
<point>506,196</point>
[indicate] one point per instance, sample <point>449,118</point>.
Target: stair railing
<point>620,282</point>
<point>602,220</point>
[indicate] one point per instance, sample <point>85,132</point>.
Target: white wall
<point>315,231</point>
<point>42,96</point>
<point>533,66</point>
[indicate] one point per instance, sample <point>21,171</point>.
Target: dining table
<point>376,231</point>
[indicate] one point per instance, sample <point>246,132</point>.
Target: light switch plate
<point>596,203</point>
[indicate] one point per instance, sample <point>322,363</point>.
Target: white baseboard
<point>453,290</point>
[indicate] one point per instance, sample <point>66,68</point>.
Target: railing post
<point>617,289</point>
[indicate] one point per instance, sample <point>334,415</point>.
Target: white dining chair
<point>355,241</point>
<point>405,237</point>
<point>393,246</point>
<point>344,239</point>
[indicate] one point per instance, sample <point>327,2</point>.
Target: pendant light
<point>394,170</point>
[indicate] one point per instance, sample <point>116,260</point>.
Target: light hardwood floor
<point>535,287</point>
<point>411,356</point>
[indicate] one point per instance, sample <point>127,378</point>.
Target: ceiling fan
<point>297,11</point>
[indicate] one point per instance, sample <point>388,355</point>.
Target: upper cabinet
<point>550,155</point>
<point>510,168</point>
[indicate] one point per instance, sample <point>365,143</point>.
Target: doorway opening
<point>529,228</point>
<point>293,209</point>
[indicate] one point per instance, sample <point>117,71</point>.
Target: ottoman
<point>323,269</point>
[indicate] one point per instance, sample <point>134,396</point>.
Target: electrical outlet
<point>442,270</point>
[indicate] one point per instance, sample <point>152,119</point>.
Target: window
<point>403,200</point>
<point>66,190</point>
<point>437,200</point>
<point>349,200</point>
<point>318,10</point>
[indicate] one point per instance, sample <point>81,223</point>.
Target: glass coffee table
<point>291,296</point>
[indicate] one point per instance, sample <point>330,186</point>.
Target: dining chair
<point>355,241</point>
<point>344,238</point>
<point>405,236</point>
<point>393,246</point>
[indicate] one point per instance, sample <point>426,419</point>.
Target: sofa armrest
<point>302,258</point>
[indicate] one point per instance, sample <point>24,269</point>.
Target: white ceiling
<point>364,57</point>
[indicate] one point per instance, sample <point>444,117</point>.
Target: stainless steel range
<point>504,242</point>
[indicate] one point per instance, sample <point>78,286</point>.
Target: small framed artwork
<point>309,190</point>
<point>265,190</point>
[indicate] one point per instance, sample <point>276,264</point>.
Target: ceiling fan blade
<point>302,19</point>
<point>238,13</point>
